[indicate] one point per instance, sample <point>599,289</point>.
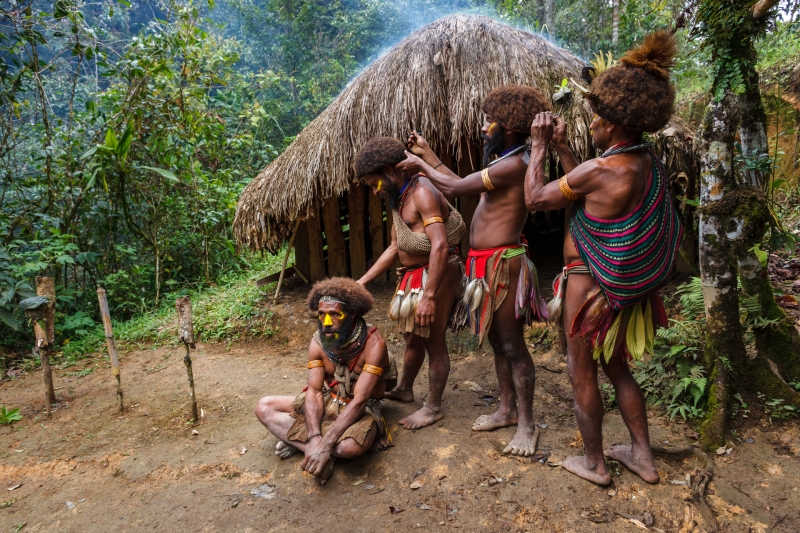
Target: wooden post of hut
<point>186,335</point>
<point>112,346</point>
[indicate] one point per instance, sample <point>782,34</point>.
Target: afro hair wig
<point>355,297</point>
<point>637,94</point>
<point>514,106</point>
<point>379,152</point>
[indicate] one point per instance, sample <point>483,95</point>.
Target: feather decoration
<point>394,309</point>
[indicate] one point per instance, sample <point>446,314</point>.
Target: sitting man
<point>349,369</point>
<point>621,246</point>
<point>425,238</point>
<point>503,294</point>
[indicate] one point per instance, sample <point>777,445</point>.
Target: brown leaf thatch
<point>433,82</point>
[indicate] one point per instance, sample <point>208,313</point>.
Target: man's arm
<point>319,452</point>
<point>384,262</point>
<point>543,196</point>
<point>313,406</point>
<point>417,145</point>
<point>503,174</point>
<point>559,143</point>
<point>429,207</point>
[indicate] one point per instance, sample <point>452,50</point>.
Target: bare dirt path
<point>90,468</point>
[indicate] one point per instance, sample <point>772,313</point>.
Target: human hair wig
<point>514,106</point>
<point>356,298</point>
<point>377,153</point>
<point>637,93</point>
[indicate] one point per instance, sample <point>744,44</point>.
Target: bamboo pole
<point>112,346</point>
<point>186,335</point>
<point>285,259</point>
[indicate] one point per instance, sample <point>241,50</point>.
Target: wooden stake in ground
<point>186,335</point>
<point>285,259</point>
<point>43,315</point>
<point>112,346</point>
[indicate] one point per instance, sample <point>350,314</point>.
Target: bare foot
<point>400,395</point>
<point>524,442</point>
<point>425,416</point>
<point>580,466</point>
<point>640,464</point>
<point>494,421</point>
<point>285,450</point>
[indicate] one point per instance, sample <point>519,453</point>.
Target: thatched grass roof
<point>433,81</point>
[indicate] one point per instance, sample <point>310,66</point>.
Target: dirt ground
<point>90,468</point>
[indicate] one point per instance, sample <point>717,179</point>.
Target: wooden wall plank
<point>356,201</point>
<point>302,252</point>
<point>316,269</point>
<point>376,228</point>
<point>334,238</point>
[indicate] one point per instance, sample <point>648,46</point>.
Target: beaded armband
<point>433,220</point>
<point>563,186</point>
<point>316,363</point>
<point>372,369</point>
<point>487,181</point>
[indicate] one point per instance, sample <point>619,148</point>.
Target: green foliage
<point>8,417</point>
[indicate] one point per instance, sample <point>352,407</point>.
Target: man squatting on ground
<point>497,264</point>
<point>623,238</point>
<point>349,369</point>
<point>425,237</point>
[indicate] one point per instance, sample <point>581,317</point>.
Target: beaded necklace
<point>508,153</point>
<point>408,188</point>
<point>630,146</point>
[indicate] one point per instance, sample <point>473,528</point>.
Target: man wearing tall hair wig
<point>623,239</point>
<point>502,294</point>
<point>349,368</point>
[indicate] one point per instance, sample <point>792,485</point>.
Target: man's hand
<point>542,129</point>
<point>317,455</point>
<point>559,132</point>
<point>411,163</point>
<point>361,282</point>
<point>417,144</point>
<point>426,309</point>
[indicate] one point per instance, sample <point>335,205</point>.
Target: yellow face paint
<point>341,315</point>
<point>327,320</point>
<point>491,127</point>
<point>380,184</point>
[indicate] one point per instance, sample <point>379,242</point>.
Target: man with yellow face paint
<point>349,368</point>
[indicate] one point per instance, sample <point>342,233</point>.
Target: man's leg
<point>638,457</point>
<point>436,346</point>
<point>412,362</point>
<point>582,370</point>
<point>273,412</point>
<point>515,371</point>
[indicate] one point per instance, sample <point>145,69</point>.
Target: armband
<point>372,369</point>
<point>563,186</point>
<point>316,363</point>
<point>433,220</point>
<point>487,181</point>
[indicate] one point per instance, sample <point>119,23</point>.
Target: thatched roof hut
<point>434,82</point>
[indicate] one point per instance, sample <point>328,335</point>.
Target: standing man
<point>497,264</point>
<point>623,238</point>
<point>339,413</point>
<point>425,238</point>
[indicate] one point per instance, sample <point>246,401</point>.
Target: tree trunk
<point>615,23</point>
<point>550,15</point>
<point>719,230</point>
<point>541,13</point>
<point>778,342</point>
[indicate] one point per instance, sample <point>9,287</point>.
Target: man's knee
<point>349,448</point>
<point>265,408</point>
